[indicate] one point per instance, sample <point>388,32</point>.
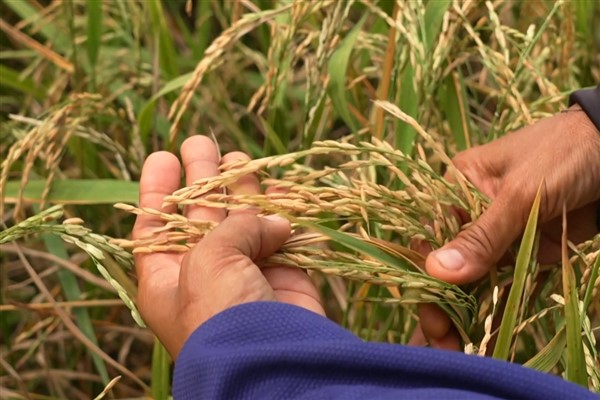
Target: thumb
<point>472,253</point>
<point>240,236</point>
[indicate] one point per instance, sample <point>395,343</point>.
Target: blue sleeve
<point>278,351</point>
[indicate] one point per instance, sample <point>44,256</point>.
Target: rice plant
<point>353,109</point>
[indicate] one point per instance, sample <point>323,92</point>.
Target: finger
<point>435,324</point>
<point>239,237</point>
<point>276,191</point>
<point>451,341</point>
<point>420,246</point>
<point>160,177</point>
<point>472,253</point>
<point>246,185</point>
<point>200,160</point>
<point>294,286</point>
<point>417,338</point>
<point>484,166</point>
<point>582,221</point>
<point>437,327</point>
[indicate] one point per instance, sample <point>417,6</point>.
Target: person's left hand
<point>176,292</point>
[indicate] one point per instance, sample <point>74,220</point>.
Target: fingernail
<point>450,259</point>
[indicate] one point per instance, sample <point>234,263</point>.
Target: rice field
<point>352,110</point>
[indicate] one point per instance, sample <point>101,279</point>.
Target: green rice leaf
<point>407,97</point>
<point>408,101</point>
<point>167,54</point>
<point>434,16</point>
<point>161,364</point>
<point>551,354</point>
<point>79,191</point>
<point>584,13</point>
<point>575,357</point>
<point>453,101</point>
<point>12,79</point>
<point>94,31</point>
<point>461,316</point>
<point>272,137</point>
<point>147,113</point>
<point>202,36</point>
<point>509,320</point>
<point>337,67</point>
<point>360,246</point>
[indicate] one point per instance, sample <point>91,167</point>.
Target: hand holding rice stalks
<point>362,211</point>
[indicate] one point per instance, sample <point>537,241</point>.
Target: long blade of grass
<point>337,67</point>
<point>168,56</point>
<point>94,33</point>
<point>505,335</point>
<point>360,246</point>
<point>272,137</point>
<point>80,191</point>
<point>408,97</point>
<point>551,354</point>
<point>161,363</point>
<point>453,101</point>
<point>203,35</point>
<point>461,316</point>
<point>584,13</point>
<point>575,358</point>
<point>434,16</point>
<point>407,102</point>
<point>145,116</point>
<point>11,79</point>
<point>384,84</point>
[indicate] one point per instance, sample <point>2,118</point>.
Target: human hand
<point>179,292</point>
<point>564,150</point>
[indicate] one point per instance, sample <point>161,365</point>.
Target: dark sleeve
<point>278,351</point>
<point>589,100</point>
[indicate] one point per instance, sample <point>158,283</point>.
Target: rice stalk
<point>105,255</point>
<point>212,58</point>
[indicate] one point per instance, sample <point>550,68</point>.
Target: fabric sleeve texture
<point>269,350</point>
<point>589,100</point>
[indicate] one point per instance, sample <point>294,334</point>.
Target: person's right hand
<point>564,151</point>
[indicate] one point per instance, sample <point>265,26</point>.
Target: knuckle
<point>468,164</point>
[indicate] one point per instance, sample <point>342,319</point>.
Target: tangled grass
<point>353,108</point>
